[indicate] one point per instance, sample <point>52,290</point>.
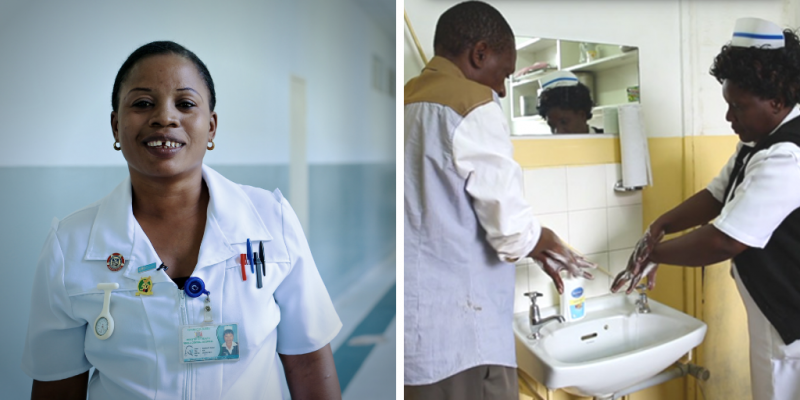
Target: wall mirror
<point>609,72</point>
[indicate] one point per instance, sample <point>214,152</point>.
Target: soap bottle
<point>573,300</point>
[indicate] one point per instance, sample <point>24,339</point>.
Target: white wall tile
<point>541,282</point>
<point>601,259</point>
<point>521,286</point>
<point>624,226</point>
<point>618,260</point>
<point>614,198</point>
<point>558,223</point>
<point>546,189</point>
<point>588,231</point>
<point>600,284</point>
<point>580,206</point>
<point>586,187</point>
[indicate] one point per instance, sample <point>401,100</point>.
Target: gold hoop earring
<point>212,145</point>
<point>117,147</point>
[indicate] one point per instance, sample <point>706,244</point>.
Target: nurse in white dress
<point>177,212</point>
<point>754,203</point>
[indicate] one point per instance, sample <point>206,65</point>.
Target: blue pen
<point>250,257</point>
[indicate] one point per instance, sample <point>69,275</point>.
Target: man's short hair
<point>467,23</point>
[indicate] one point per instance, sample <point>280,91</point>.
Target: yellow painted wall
<point>667,163</point>
<point>554,152</point>
<point>681,167</point>
<point>725,351</point>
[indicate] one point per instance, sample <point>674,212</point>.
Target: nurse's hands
<point>553,256</point>
<point>639,264</point>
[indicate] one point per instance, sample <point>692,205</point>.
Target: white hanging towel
<point>633,147</point>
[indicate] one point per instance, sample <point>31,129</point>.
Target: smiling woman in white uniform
<point>755,204</point>
<point>175,211</point>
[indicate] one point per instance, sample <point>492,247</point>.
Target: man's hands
<point>553,256</point>
<point>639,264</point>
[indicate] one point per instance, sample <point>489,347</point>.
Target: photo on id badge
<point>210,343</point>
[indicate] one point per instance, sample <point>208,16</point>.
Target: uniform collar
<point>790,116</point>
<point>232,219</point>
<point>444,66</point>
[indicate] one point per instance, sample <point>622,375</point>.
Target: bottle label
<point>576,304</point>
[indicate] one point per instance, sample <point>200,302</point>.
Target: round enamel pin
<point>115,262</point>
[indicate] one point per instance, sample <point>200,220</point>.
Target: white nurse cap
<point>756,32</point>
<point>558,78</point>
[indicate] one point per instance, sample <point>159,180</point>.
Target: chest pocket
<point>254,309</point>
<point>132,336</point>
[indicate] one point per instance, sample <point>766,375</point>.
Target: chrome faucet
<point>642,305</point>
<point>535,318</point>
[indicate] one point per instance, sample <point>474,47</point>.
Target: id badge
<point>209,342</point>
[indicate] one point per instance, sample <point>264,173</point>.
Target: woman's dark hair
<point>467,23</point>
<point>575,98</point>
<point>159,48</point>
<point>767,73</point>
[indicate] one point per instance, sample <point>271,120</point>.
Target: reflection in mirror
<point>570,87</point>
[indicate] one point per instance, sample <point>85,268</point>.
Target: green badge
<point>145,286</point>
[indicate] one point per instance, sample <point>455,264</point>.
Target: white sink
<point>610,349</point>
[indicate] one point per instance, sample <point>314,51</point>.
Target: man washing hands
<point>557,257</point>
<point>466,221</point>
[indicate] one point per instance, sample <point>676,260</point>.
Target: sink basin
<point>610,349</point>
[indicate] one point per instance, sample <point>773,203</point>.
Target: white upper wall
<point>710,26</point>
<point>644,24</point>
<point>677,42</point>
<point>59,60</point>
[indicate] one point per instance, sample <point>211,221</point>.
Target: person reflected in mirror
<point>754,203</point>
<point>466,221</point>
<point>566,104</point>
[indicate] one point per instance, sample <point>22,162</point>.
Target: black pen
<point>258,269</point>
<point>263,260</point>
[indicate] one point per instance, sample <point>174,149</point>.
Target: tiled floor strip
<point>351,354</point>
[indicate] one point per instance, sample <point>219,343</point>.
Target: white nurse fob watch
<point>104,324</point>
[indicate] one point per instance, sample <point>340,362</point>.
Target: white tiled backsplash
<point>580,205</point>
